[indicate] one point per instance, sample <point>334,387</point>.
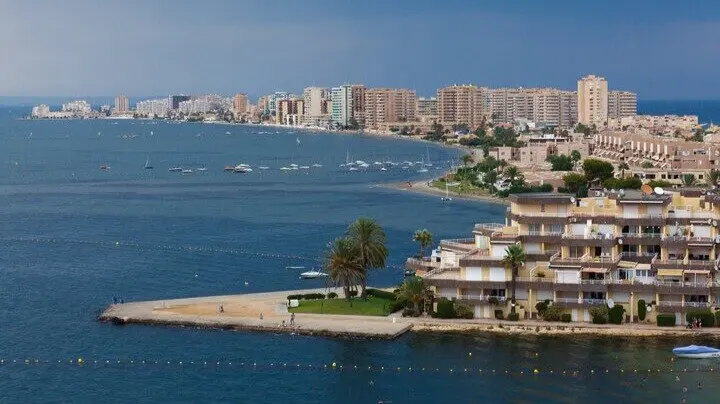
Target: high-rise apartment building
<point>621,104</point>
<point>175,100</point>
<point>289,111</point>
<point>272,101</point>
<point>358,104</point>
<point>509,104</point>
<point>240,103</point>
<point>313,97</point>
<point>463,104</point>
<point>427,109</point>
<point>592,102</point>
<point>384,105</point>
<point>341,110</point>
<point>122,105</point>
<point>568,109</point>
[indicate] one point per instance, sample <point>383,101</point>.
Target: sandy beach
<point>422,187</point>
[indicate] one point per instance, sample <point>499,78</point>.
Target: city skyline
<point>655,49</point>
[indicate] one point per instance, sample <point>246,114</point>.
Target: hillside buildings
<point>620,248</point>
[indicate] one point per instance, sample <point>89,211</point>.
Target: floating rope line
<point>174,248</point>
<point>259,366</point>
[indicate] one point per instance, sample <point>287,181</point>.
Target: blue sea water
<point>73,236</point>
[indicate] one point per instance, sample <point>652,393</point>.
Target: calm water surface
<point>74,236</point>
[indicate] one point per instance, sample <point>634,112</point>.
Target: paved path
<point>244,312</point>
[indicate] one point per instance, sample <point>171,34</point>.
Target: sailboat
<point>447,197</point>
<point>148,166</point>
<point>427,151</point>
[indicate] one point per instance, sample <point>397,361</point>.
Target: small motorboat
<point>314,274</point>
<point>696,352</point>
<point>104,167</point>
<point>175,169</point>
<point>295,267</point>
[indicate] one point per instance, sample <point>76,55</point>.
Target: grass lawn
<point>374,306</point>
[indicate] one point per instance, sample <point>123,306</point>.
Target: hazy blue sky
<point>660,49</point>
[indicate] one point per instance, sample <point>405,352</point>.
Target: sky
<point>660,49</point>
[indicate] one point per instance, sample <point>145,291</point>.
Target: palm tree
<point>511,172</point>
<point>514,259</point>
<point>688,179</point>
<point>424,238</point>
<point>343,265</point>
<point>368,239</point>
<point>466,158</point>
<point>714,177</point>
<point>415,291</point>
<point>622,167</point>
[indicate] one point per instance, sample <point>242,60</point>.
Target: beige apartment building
<point>358,103</point>
<point>592,101</point>
<point>657,123</point>
<point>240,104</point>
<point>622,249</point>
<point>463,104</point>
<point>122,105</point>
<point>536,153</point>
<point>544,106</point>
<point>427,110</point>
<point>290,111</point>
<point>621,104</point>
<point>384,105</point>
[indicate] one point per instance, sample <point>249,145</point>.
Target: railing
<point>641,235</point>
<point>484,298</point>
<point>580,301</point>
<point>535,279</point>
<point>688,239</point>
<point>489,226</point>
<point>447,295</point>
<point>541,233</point>
<point>683,262</point>
<point>594,281</point>
<point>632,255</point>
<point>685,304</point>
<point>705,284</point>
<point>459,243</point>
<point>591,236</point>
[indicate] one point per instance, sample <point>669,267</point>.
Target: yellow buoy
<point>333,364</point>
<point>80,360</point>
<point>536,371</point>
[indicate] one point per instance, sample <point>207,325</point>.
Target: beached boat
<point>313,275</point>
<point>696,352</point>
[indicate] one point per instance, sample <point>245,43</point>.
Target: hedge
<point>445,308</point>
<point>666,320</point>
<point>464,311</point>
<point>553,313</point>
<point>616,314</point>
<point>717,318</point>
<point>308,296</point>
<point>513,316</point>
<point>642,309</point>
<point>332,295</point>
<point>382,294</point>
<point>398,305</point>
<point>499,314</point>
<point>706,317</point>
<point>565,317</point>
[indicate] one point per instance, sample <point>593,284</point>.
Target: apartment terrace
<point>462,245</point>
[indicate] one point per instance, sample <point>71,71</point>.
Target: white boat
<point>313,275</point>
<point>317,165</point>
<point>187,171</point>
<point>227,133</point>
<point>447,197</point>
<point>352,169</point>
<point>293,165</point>
<point>263,167</point>
<point>696,352</point>
<point>377,163</point>
<point>285,168</point>
<point>305,167</point>
<point>364,165</point>
<point>383,169</point>
<point>175,169</point>
<point>148,166</point>
<point>423,170</point>
<point>295,267</point>
<point>202,169</point>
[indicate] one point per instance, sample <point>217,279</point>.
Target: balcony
<point>640,258</point>
<point>458,244</point>
<point>542,236</point>
<point>591,239</point>
<point>601,262</point>
<point>682,306</point>
<point>683,264</point>
<point>481,298</point>
<point>571,302</point>
<point>641,236</point>
<point>690,212</point>
<point>687,241</point>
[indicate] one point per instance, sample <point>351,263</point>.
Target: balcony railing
<point>535,279</point>
<point>489,226</point>
<point>684,304</point>
<point>575,300</point>
<point>641,235</point>
<point>636,255</point>
<point>705,284</point>
<point>543,233</point>
<point>483,298</point>
<point>688,239</point>
<point>464,244</point>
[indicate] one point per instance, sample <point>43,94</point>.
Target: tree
<point>489,179</point>
<point>688,179</point>
<point>424,238</point>
<point>343,265</point>
<point>512,172</point>
<point>622,167</point>
<point>353,124</point>
<point>560,162</point>
<point>514,259</point>
<point>368,239</point>
<point>415,291</point>
<point>597,170</point>
<point>466,158</point>
<point>575,156</point>
<point>699,135</point>
<point>573,181</point>
<point>646,164</point>
<point>714,177</point>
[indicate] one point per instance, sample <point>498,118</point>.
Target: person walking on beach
<point>292,319</point>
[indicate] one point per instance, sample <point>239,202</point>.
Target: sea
<point>75,236</point>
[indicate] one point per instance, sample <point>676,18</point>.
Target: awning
<point>670,272</point>
<point>643,266</point>
<point>697,271</point>
<point>626,264</point>
<point>596,270</point>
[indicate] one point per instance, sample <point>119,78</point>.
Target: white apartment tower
<point>592,101</point>
<point>341,105</point>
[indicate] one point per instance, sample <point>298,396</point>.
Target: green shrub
<point>616,314</point>
<point>565,317</point>
<point>445,308</point>
<point>553,313</point>
<point>464,311</point>
<point>541,307</point>
<point>599,315</point>
<point>642,309</point>
<point>513,316</point>
<point>706,317</point>
<point>382,294</point>
<point>666,320</point>
<point>308,296</point>
<point>499,314</point>
<point>398,305</point>
<point>493,300</point>
<point>332,295</point>
<point>717,318</point>
<point>353,293</point>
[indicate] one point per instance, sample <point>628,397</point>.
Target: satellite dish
<point>572,199</point>
<point>658,190</point>
<point>649,308</point>
<point>714,222</point>
<point>620,241</point>
<point>646,189</point>
<point>610,303</point>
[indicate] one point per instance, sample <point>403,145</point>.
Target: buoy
<point>333,364</point>
<point>117,243</point>
<point>469,353</point>
<point>536,371</point>
<point>80,360</point>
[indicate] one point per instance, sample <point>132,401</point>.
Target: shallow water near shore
<point>75,236</point>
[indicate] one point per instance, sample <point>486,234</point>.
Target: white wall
<point>701,231</point>
<point>571,276</point>
<point>532,248</point>
<point>621,297</point>
<point>497,274</point>
<point>578,229</point>
<point>630,211</point>
<point>499,250</point>
<point>521,294</point>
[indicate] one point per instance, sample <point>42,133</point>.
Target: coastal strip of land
<point>422,187</point>
<point>267,312</point>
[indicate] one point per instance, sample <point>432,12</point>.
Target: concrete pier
<point>244,312</point>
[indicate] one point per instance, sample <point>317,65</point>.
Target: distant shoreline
<point>421,187</point>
